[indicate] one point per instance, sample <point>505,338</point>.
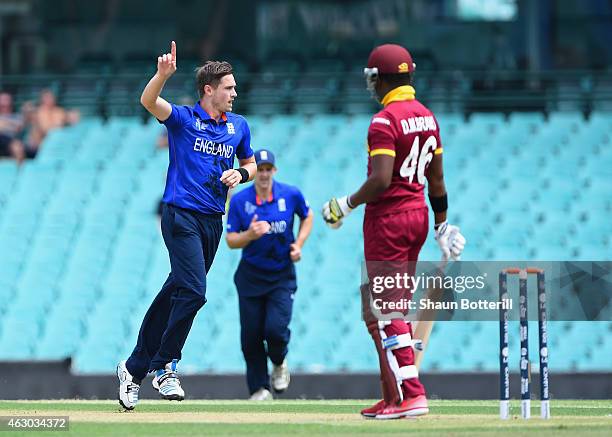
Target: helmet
<point>387,59</point>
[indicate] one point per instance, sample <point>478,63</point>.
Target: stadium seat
<point>491,121</point>
<point>449,122</point>
<point>80,221</point>
<point>525,121</point>
<point>600,120</point>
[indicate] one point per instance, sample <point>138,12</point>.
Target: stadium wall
<point>54,380</point>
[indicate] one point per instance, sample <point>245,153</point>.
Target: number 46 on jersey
<point>418,159</point>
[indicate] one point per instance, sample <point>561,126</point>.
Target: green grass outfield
<point>193,418</point>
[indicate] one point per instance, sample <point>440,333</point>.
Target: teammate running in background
<point>404,150</point>
<point>260,222</point>
<point>203,141</point>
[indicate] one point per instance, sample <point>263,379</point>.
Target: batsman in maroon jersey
<point>404,151</point>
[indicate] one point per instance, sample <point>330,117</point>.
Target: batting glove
<point>450,240</point>
<point>335,210</point>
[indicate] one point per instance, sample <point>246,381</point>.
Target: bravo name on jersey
<point>408,131</point>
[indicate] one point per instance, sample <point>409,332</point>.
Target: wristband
<point>348,202</point>
<point>244,173</point>
<point>439,204</point>
<point>443,224</point>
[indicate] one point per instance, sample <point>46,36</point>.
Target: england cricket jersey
<point>271,251</point>
<point>200,150</point>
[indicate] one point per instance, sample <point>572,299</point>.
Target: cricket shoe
<point>128,387</point>
<point>261,395</point>
<point>280,377</point>
<point>166,381</point>
<point>374,409</point>
<point>413,407</point>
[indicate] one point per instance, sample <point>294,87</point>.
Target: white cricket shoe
<point>280,377</point>
<point>166,381</point>
<point>128,389</point>
<point>261,395</point>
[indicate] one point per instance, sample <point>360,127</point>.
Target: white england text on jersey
<point>211,148</point>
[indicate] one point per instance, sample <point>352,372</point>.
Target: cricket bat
<point>425,319</point>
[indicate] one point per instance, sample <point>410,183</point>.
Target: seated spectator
<point>47,116</point>
<point>11,126</point>
<point>17,151</point>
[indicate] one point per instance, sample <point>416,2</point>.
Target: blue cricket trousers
<point>192,239</point>
<point>266,302</point>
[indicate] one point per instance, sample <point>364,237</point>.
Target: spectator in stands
<point>11,126</point>
<point>17,151</point>
<point>260,222</point>
<point>47,116</point>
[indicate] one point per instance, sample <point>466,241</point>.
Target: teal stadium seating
<point>78,232</point>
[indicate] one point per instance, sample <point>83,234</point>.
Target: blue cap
<point>264,156</point>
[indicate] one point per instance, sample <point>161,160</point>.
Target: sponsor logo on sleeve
<point>381,120</point>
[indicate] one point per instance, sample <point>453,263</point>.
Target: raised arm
<point>150,99</point>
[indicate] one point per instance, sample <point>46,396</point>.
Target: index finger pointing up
<point>173,50</point>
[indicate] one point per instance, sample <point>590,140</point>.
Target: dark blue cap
<point>264,156</point>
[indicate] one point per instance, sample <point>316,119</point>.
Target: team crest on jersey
<point>200,125</point>
<point>230,128</point>
<point>249,208</point>
<point>282,206</point>
<point>402,68</point>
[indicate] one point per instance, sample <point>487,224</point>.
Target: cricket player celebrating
<point>260,222</point>
<point>404,150</point>
<point>203,141</point>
